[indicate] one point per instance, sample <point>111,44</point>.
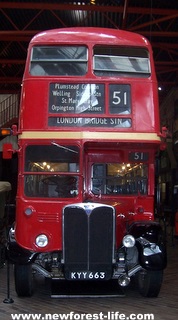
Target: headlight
<point>41,241</point>
<point>128,241</point>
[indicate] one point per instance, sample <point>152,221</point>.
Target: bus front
<point>88,137</point>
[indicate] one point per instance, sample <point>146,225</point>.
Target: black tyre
<point>23,280</point>
<point>149,282</point>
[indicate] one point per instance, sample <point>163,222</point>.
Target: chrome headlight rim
<point>128,241</point>
<point>41,240</point>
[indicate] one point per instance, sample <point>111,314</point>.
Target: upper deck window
<point>59,61</point>
<point>121,61</point>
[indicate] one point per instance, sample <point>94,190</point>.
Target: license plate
<point>87,275</point>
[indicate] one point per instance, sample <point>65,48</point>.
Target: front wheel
<point>149,282</point>
<point>23,280</point>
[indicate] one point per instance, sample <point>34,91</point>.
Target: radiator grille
<point>88,238</point>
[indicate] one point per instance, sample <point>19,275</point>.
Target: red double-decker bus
<point>88,137</point>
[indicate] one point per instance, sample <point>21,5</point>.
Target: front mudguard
<point>16,254</point>
<point>150,244</point>
<point>151,256</point>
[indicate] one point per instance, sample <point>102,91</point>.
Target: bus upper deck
<point>92,80</point>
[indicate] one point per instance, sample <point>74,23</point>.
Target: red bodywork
<point>95,143</point>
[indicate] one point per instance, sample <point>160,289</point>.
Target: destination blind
<point>106,122</point>
<point>89,99</point>
<point>76,98</point>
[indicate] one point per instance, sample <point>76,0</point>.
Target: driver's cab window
<point>119,178</point>
<point>51,171</point>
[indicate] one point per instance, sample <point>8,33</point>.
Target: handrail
<point>9,110</point>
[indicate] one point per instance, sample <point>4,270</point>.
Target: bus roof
<point>90,34</point>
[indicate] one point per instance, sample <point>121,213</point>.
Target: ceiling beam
<point>155,21</point>
<point>17,35</point>
<point>7,80</point>
<point>12,61</point>
<point>83,7</point>
<point>9,91</point>
<point>26,35</point>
